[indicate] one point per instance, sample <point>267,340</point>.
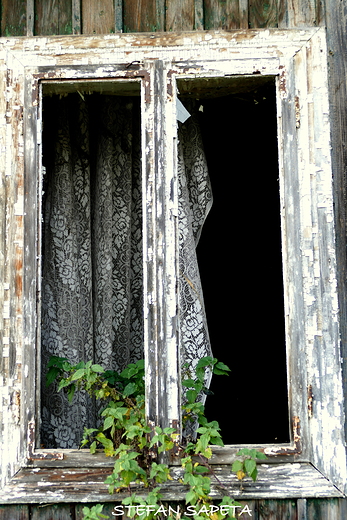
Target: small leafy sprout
<point>93,513</point>
<point>247,466</point>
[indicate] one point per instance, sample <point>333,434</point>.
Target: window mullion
<point>160,239</point>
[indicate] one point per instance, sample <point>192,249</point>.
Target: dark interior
<point>240,262</point>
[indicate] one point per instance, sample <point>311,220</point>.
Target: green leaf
<point>130,389</point>
<point>217,441</point>
<point>250,466</point>
<point>244,452</point>
<point>108,422</point>
<point>71,392</point>
<point>205,362</point>
<point>189,383</point>
<point>221,369</point>
<point>237,466</point>
<point>57,361</point>
<point>201,469</point>
<point>254,474</point>
<point>260,455</point>
<point>52,375</point>
<point>191,497</point>
<point>63,383</point>
<point>191,395</point>
<point>97,368</point>
<point>78,374</point>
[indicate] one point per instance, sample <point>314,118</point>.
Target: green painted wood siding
<point>48,17</point>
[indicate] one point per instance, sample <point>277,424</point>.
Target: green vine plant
<point>125,435</point>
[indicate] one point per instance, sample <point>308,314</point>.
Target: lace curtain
<point>92,247</point>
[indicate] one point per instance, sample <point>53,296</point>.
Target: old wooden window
<point>293,65</point>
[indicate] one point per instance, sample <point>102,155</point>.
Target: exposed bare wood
<point>336,20</point>
<point>30,17</point>
<point>76,16</point>
<point>71,485</point>
<point>13,18</point>
<point>143,15</point>
<point>328,509</point>
<point>224,15</point>
<point>301,13</point>
<point>263,13</point>
<point>53,17</point>
<point>98,16</point>
<point>118,14</point>
<point>199,15</point>
<point>276,509</point>
<point>15,512</point>
<point>59,512</point>
<point>180,15</point>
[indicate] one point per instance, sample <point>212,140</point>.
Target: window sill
<point>51,485</point>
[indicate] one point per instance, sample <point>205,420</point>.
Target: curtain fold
<point>92,288</point>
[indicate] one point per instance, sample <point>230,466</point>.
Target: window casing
<point>297,60</point>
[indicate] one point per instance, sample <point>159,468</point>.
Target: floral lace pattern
<point>92,283</point>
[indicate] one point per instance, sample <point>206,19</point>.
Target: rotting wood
<point>98,17</point>
<point>223,15</point>
<point>76,16</point>
<point>53,17</point>
<point>263,14</point>
<point>13,18</point>
<point>295,448</point>
<point>180,15</point>
<point>87,484</point>
<point>276,510</point>
<point>105,16</point>
<point>143,16</point>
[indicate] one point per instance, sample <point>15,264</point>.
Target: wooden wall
<point>310,509</point>
<point>48,17</point>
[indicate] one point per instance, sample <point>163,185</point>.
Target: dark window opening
<point>240,261</point>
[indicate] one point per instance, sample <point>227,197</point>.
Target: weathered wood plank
<point>144,15</point>
<point>336,21</point>
<point>69,485</point>
<point>76,17</point>
<point>53,17</point>
<point>326,509</point>
<point>301,13</point>
<point>276,509</point>
<point>180,15</point>
<point>56,511</point>
<point>14,512</point>
<point>98,17</point>
<point>13,18</point>
<point>263,13</point>
<point>222,15</point>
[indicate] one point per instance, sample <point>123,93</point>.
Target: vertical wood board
<point>336,20</point>
<point>13,17</point>
<point>143,15</point>
<point>263,13</point>
<point>15,512</point>
<point>53,17</point>
<point>222,15</point>
<point>53,512</point>
<point>180,15</point>
<point>98,17</point>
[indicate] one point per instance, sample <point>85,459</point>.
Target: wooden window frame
<point>314,462</point>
